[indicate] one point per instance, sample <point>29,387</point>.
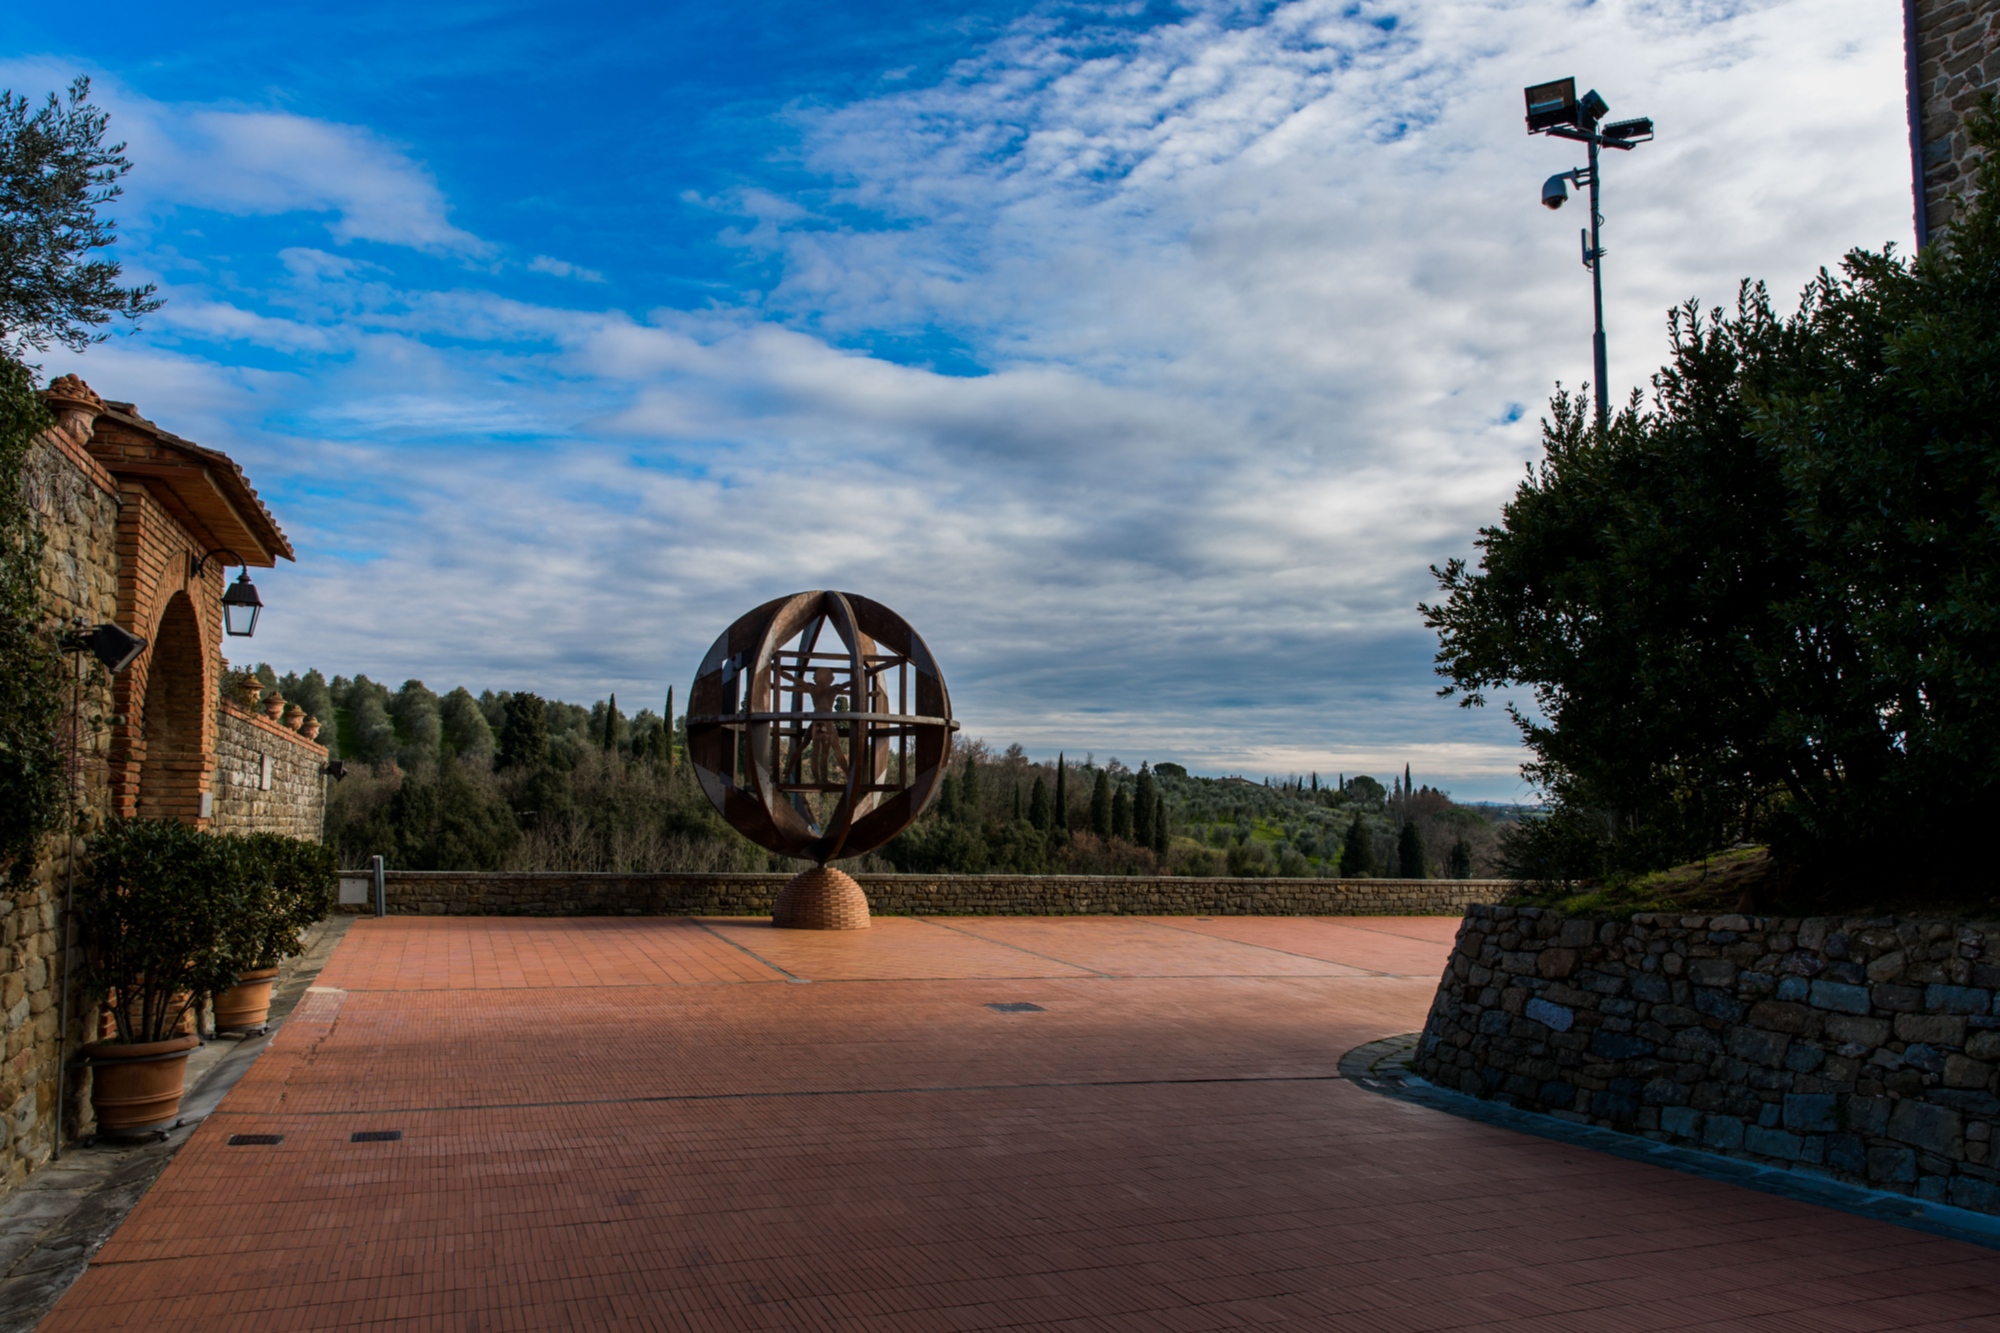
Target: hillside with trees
<point>512,781</point>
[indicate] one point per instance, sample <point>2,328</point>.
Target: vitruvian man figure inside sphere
<point>820,726</point>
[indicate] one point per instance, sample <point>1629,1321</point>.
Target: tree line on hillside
<point>504,780</point>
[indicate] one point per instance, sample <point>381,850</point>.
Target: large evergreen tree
<point>1062,794</point>
<point>1762,606</point>
<point>1410,853</point>
<point>1357,850</point>
<point>1100,805</point>
<point>1038,805</point>
<point>524,742</point>
<point>1144,797</point>
<point>1121,814</point>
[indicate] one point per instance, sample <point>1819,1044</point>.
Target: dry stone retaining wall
<point>453,893</point>
<point>1867,1050</point>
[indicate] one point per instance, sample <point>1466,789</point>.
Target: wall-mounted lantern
<point>240,604</point>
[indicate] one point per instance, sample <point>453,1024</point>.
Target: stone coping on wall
<point>277,729</point>
<point>546,893</point>
<point>1864,1049</point>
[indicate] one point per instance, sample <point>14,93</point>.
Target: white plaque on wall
<point>354,889</point>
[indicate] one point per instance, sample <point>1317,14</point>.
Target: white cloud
<point>563,269</point>
<point>1263,295</point>
<point>251,162</point>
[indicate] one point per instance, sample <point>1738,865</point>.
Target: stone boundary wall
<point>73,503</point>
<point>291,801</point>
<point>1865,1050</point>
<point>455,893</point>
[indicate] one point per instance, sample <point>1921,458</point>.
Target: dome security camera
<point>1555,191</point>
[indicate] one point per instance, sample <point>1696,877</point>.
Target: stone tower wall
<point>1954,60</point>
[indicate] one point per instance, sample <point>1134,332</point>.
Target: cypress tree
<point>1410,852</point>
<point>611,724</point>
<point>1038,805</point>
<point>1159,843</point>
<point>1144,796</point>
<point>968,792</point>
<point>1062,794</point>
<point>1100,805</point>
<point>1357,853</point>
<point>670,726</point>
<point>1017,802</point>
<point>948,799</point>
<point>1407,788</point>
<point>1461,859</point>
<point>1121,815</point>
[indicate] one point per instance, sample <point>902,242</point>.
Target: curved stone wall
<point>1867,1050</point>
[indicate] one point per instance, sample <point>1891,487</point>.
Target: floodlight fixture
<point>113,645</point>
<point>334,769</point>
<point>1627,133</point>
<point>1554,109</point>
<point>1551,104</point>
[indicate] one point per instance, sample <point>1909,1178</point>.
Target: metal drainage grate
<point>255,1140</point>
<point>1016,1007</point>
<point>375,1136</point>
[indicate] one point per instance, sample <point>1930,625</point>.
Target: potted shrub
<point>153,917</point>
<point>288,888</point>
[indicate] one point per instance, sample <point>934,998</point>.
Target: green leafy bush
<point>288,887</point>
<point>157,915</point>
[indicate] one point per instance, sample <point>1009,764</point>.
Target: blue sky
<point>1144,356</point>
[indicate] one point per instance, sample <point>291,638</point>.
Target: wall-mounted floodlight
<point>334,769</point>
<point>1554,109</point>
<point>110,644</point>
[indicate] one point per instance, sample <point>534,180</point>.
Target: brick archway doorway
<point>172,773</point>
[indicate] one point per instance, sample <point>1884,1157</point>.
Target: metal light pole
<point>1555,109</point>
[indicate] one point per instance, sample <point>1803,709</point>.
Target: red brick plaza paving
<point>671,1124</point>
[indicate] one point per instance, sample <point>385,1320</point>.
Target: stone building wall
<point>456,893</point>
<point>1867,1050</point>
<point>1956,59</point>
<point>75,507</point>
<point>267,777</point>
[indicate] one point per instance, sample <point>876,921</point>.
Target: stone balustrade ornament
<point>820,727</point>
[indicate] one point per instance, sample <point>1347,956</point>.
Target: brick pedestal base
<point>822,899</point>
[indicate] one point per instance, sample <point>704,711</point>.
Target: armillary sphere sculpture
<point>820,727</point>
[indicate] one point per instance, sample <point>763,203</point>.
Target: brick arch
<point>173,721</point>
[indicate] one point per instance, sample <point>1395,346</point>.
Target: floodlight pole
<point>1593,258</point>
<point>1555,109</point>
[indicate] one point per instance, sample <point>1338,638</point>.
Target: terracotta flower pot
<point>136,1086</point>
<point>274,706</point>
<point>295,716</point>
<point>246,1004</point>
<point>310,729</point>
<point>250,690</point>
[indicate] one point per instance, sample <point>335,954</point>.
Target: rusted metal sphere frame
<point>770,728</point>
